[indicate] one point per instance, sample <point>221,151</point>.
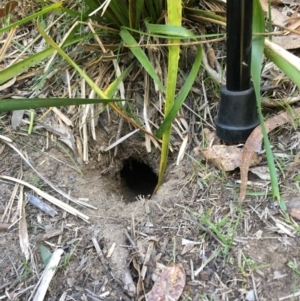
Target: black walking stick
<point>237,115</point>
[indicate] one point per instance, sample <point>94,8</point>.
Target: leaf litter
<point>224,157</point>
<point>230,157</point>
<point>254,143</point>
<point>169,285</point>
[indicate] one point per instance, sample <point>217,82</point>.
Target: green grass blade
<point>139,8</point>
<point>132,11</point>
<point>141,57</point>
<point>112,88</point>
<point>93,85</point>
<point>256,65</point>
<point>169,30</point>
<point>7,105</point>
<point>181,95</point>
<point>201,36</point>
<point>270,19</point>
<point>92,4</point>
<point>150,6</point>
<point>34,59</point>
<point>121,11</point>
<point>74,13</point>
<point>99,92</point>
<point>174,18</point>
<point>43,11</point>
<point>24,65</point>
<point>116,14</point>
<point>206,14</point>
<point>284,60</point>
<point>159,9</point>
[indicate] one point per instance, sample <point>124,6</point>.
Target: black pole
<point>239,35</point>
<point>237,115</point>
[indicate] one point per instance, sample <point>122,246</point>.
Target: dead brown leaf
<point>293,21</point>
<point>225,157</point>
<point>273,103</point>
<point>288,42</point>
<point>169,285</point>
<point>211,57</point>
<point>211,137</point>
<point>253,142</point>
<point>293,208</point>
<point>8,8</point>
<point>295,213</point>
<point>277,16</point>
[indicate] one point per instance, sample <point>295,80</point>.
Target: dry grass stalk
<point>44,179</point>
<point>62,116</point>
<point>50,198</point>
<point>48,275</point>
<point>23,233</point>
<point>7,43</point>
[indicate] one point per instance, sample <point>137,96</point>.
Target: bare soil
<point>248,259</point>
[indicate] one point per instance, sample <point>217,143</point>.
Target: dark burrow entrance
<point>138,177</point>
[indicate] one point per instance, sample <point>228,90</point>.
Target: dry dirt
<point>245,257</point>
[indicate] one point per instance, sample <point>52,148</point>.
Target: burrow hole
<point>137,178</point>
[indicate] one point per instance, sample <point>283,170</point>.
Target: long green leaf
<point>24,65</point>
<point>159,9</point>
<point>121,11</point>
<point>287,62</point>
<point>256,65</point>
<point>139,8</point>
<point>203,13</point>
<point>171,36</point>
<point>92,4</point>
<point>34,59</point>
<point>169,30</point>
<point>186,88</point>
<point>74,13</point>
<point>71,62</point>
<point>141,56</point>
<point>7,105</point>
<point>151,9</point>
<point>174,18</point>
<point>112,88</point>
